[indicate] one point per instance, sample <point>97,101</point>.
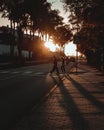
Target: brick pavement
<point>77,103</point>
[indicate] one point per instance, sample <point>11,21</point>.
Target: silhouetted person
<point>55,66</point>
<point>63,64</point>
<point>67,60</point>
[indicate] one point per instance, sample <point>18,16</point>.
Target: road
<point>21,89</point>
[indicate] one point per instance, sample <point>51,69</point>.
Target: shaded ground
<point>77,103</point>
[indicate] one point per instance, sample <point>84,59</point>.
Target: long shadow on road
<point>73,113</point>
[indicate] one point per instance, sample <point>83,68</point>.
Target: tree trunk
<point>20,40</point>
<point>12,31</point>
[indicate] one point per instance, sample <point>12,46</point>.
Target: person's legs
<point>63,68</point>
<point>57,70</point>
<point>53,69</point>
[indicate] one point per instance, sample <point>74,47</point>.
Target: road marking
<point>8,77</point>
<point>15,72</point>
<point>4,72</point>
<point>39,73</point>
<point>27,72</point>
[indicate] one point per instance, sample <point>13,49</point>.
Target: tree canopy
<point>87,19</point>
<point>34,15</point>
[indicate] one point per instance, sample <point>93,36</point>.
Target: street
<point>21,89</point>
<point>77,103</point>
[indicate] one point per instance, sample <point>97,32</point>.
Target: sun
<point>69,50</point>
<point>51,46</point>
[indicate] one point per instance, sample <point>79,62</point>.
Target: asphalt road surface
<point>21,89</point>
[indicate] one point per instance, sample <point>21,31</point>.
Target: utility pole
<point>77,37</point>
<point>76,58</point>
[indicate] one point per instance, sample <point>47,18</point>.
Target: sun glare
<point>70,49</point>
<point>51,46</point>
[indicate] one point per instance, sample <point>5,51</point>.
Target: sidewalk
<point>77,103</point>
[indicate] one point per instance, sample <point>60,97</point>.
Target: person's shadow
<point>70,107</point>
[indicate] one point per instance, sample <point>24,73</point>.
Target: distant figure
<point>67,60</point>
<point>63,64</point>
<point>55,67</point>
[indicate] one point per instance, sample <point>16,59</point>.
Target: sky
<point>56,4</point>
<point>3,21</point>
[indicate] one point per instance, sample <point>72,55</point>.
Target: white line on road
<point>4,72</point>
<point>16,72</point>
<point>8,77</point>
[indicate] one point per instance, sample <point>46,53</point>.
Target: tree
<point>36,16</point>
<point>62,36</point>
<point>83,13</point>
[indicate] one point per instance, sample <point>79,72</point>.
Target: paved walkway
<point>77,103</point>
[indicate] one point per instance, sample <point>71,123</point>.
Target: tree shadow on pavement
<point>70,107</point>
<point>94,101</point>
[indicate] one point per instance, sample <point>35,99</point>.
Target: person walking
<point>55,65</point>
<point>63,64</point>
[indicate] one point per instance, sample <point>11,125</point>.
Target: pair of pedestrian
<point>55,65</point>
